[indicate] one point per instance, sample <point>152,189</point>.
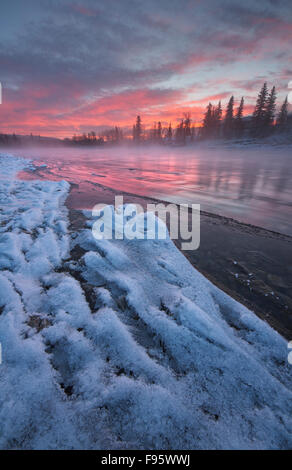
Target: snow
<point>122,344</point>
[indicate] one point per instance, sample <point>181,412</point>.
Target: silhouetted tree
<point>217,119</point>
<point>259,114</point>
<point>86,139</point>
<point>193,133</point>
<point>187,124</point>
<point>180,134</point>
<point>159,131</point>
<point>270,111</point>
<point>169,132</point>
<point>153,132</point>
<point>207,122</point>
<point>238,121</point>
<point>228,127</point>
<point>113,135</point>
<point>138,129</point>
<point>282,118</point>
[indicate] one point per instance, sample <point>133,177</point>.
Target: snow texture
<point>116,344</point>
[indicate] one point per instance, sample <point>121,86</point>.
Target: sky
<point>68,67</point>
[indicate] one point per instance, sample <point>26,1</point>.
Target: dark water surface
<point>251,184</point>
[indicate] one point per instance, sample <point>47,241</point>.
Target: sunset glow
<point>77,68</point>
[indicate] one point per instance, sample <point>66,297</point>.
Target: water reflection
<point>251,185</point>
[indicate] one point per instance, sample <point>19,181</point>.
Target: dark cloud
<point>58,56</point>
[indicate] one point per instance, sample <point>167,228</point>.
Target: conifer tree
<point>138,129</point>
<point>270,112</point>
<point>238,121</point>
<point>229,120</point>
<point>207,121</point>
<point>193,133</point>
<point>154,132</point>
<point>180,134</point>
<point>282,117</point>
<point>217,119</point>
<point>258,117</point>
<point>187,124</point>
<point>169,132</point>
<point>159,131</point>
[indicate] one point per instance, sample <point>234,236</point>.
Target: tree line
<point>227,124</point>
<point>157,134</point>
<point>262,123</point>
<point>113,135</point>
<point>9,139</point>
<point>217,123</point>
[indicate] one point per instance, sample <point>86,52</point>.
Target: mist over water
<point>252,184</point>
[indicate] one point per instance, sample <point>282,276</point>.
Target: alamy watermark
<point>157,222</point>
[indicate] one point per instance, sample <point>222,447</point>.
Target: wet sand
<point>251,264</point>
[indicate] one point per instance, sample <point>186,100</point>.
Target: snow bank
<point>123,344</point>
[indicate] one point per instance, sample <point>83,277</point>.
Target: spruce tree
<point>169,132</point>
<point>282,117</point>
<point>187,124</point>
<point>159,131</point>
<point>228,120</point>
<point>207,121</point>
<point>138,129</point>
<point>180,132</point>
<point>193,133</point>
<point>217,119</point>
<point>258,117</point>
<point>238,121</point>
<point>270,111</point>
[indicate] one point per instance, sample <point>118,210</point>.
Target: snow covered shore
<point>123,344</point>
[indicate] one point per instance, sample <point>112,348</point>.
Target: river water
<point>251,184</point>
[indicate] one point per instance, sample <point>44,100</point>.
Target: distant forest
<point>216,124</point>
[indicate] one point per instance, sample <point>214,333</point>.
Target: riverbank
<point>250,263</point>
<point>123,344</point>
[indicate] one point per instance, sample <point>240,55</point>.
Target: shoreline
<point>85,199</point>
<point>241,259</point>
<point>223,218</point>
<point>248,262</point>
<point>108,331</point>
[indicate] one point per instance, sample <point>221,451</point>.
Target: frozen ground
<point>123,344</point>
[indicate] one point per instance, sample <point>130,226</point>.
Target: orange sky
<point>68,68</point>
